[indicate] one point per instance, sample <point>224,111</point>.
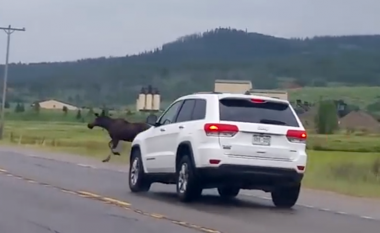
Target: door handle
<point>162,130</point>
<point>181,127</point>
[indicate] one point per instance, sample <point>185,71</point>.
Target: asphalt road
<point>37,207</point>
<point>29,208</point>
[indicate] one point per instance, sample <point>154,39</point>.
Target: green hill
<point>193,62</point>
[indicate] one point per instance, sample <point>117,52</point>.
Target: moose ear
<point>96,114</point>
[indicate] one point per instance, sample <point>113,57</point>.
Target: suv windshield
<point>243,110</point>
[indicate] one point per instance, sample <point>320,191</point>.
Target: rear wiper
<point>272,122</point>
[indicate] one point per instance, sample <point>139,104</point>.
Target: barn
<point>55,104</point>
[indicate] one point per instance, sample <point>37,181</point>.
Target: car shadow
<point>216,204</point>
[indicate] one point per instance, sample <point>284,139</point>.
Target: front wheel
<point>138,182</point>
<point>286,197</point>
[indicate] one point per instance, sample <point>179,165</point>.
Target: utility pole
<point>8,30</point>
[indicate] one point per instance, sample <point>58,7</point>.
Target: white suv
<point>224,141</point>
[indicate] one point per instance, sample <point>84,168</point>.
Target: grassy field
<point>355,142</point>
<point>343,163</point>
<point>359,96</point>
<point>69,137</point>
<point>351,173</point>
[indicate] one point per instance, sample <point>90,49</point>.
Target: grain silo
<point>149,99</point>
<point>142,99</point>
<point>156,99</point>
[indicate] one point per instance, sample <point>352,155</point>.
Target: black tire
<point>286,197</point>
<point>192,190</point>
<point>142,183</point>
<point>228,192</point>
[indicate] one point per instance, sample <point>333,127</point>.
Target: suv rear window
<point>243,110</point>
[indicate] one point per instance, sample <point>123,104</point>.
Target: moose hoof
<point>106,159</point>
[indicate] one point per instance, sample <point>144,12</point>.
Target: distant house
<point>55,104</point>
<point>232,86</point>
<point>360,120</point>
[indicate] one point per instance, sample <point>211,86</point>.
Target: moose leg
<point>108,158</point>
<point>113,145</point>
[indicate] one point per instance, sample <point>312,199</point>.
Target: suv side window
<point>170,114</point>
<point>186,111</point>
<point>199,111</point>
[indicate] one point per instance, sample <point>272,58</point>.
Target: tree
<point>18,108</point>
<point>90,112</point>
<point>129,112</point>
<point>65,110</point>
<point>22,107</point>
<point>36,107</point>
<point>79,114</point>
<point>326,120</point>
<point>104,111</point>
<point>7,105</point>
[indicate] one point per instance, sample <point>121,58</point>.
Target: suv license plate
<point>259,139</point>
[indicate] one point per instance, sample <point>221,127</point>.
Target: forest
<point>192,63</point>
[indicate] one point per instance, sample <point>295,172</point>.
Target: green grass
<point>355,173</point>
<point>360,96</point>
<point>344,142</point>
<point>69,137</point>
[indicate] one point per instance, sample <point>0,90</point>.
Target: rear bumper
<point>250,177</point>
<point>207,153</point>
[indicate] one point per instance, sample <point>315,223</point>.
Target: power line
<point>8,30</point>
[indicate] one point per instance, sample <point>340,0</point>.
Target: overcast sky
<point>60,30</point>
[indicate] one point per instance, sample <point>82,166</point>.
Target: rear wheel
<point>287,196</point>
<point>188,188</point>
<point>228,192</point>
<point>138,181</point>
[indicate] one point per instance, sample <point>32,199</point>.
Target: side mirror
<point>151,119</point>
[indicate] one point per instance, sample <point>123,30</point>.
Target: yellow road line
<point>68,191</point>
<point>157,215</point>
<point>89,194</point>
<point>119,203</point>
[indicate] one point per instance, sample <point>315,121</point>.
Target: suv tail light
<point>222,130</point>
<point>296,136</point>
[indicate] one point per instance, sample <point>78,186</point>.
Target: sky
<point>65,30</point>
